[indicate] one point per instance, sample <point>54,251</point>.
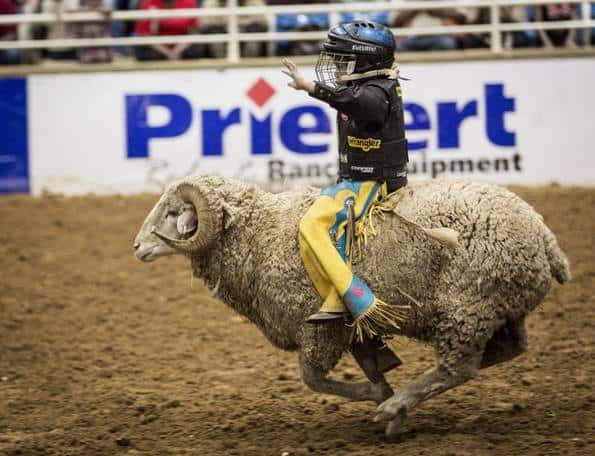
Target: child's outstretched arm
<point>297,81</point>
<point>369,104</point>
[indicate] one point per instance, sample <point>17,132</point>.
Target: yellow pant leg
<point>329,272</point>
<point>316,247</point>
<point>332,301</point>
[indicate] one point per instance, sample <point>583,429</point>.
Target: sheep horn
<point>206,232</point>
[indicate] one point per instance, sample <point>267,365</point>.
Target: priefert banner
<point>511,122</point>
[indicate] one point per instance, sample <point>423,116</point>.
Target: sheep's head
<point>182,221</point>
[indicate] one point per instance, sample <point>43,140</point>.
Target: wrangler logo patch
<point>363,143</point>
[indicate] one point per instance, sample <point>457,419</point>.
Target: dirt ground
<point>101,354</point>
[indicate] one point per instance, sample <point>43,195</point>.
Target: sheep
<point>469,303</point>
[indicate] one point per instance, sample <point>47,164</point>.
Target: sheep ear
<point>229,216</point>
<point>187,222</point>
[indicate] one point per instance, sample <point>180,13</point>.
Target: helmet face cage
<point>332,65</point>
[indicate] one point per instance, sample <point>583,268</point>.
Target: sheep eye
<point>171,213</point>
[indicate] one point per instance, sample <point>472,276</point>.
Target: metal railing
<point>234,37</point>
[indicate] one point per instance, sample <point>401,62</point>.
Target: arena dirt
<point>101,354</point>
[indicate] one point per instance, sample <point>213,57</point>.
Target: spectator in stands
<point>165,27</point>
<point>426,18</point>
<point>379,16</point>
<point>508,14</point>
<point>557,12</point>
<point>293,2</point>
<point>8,33</point>
<point>248,24</point>
<point>300,22</point>
<point>28,31</point>
<point>127,27</point>
<point>59,29</point>
<point>458,16</point>
<point>94,29</point>
<point>462,16</point>
<point>119,28</point>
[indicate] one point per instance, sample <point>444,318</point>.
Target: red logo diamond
<point>261,92</point>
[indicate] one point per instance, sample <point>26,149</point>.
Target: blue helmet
<point>372,44</point>
<point>355,48</point>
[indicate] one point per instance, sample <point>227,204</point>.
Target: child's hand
<point>297,81</point>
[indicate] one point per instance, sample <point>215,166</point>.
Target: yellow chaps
<point>322,239</point>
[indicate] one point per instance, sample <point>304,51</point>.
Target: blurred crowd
<point>409,19</point>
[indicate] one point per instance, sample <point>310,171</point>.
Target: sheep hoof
<point>391,409</point>
<point>395,427</point>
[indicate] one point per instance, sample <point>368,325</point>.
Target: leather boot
<point>374,357</point>
<point>386,359</point>
<point>326,317</point>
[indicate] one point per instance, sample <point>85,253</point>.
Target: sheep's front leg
<point>317,380</point>
<point>424,387</point>
<point>321,349</point>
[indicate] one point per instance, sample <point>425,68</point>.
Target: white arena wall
<point>527,122</point>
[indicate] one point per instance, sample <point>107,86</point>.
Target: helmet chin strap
<point>392,73</point>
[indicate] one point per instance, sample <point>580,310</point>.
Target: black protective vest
<point>379,154</point>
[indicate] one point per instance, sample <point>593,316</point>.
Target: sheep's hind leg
<point>427,385</point>
<point>506,343</point>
